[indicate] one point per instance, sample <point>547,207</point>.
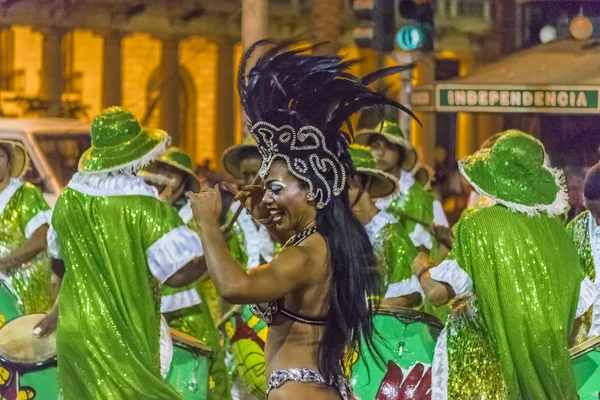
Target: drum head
<point>21,347</point>
<point>410,314</point>
<point>190,343</point>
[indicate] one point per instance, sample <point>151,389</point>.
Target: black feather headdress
<point>297,105</point>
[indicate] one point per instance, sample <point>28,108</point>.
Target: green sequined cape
<point>525,276</point>
<point>22,211</point>
<point>118,241</point>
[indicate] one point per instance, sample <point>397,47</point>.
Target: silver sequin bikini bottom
<point>304,375</point>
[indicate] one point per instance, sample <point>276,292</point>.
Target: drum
<point>27,362</point>
<point>245,337</point>
<point>190,366</point>
<point>406,343</point>
<point>586,366</point>
<point>9,307</point>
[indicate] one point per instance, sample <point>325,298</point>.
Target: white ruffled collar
<point>406,181</point>
<point>186,213</point>
<point>111,185</point>
<point>13,185</point>
<point>377,223</point>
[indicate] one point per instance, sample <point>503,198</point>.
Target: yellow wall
<point>28,57</point>
<point>140,57</point>
<point>88,59</point>
<point>199,57</point>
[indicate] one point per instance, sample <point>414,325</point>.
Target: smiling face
<point>4,164</point>
<point>287,201</point>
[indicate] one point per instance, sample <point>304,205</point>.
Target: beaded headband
<point>306,155</point>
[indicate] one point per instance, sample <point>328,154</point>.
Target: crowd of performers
<point>328,230</point>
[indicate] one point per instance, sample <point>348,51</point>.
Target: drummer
<point>392,245</point>
<point>251,243</point>
<point>186,309</point>
<point>395,155</point>
<point>118,242</point>
<point>514,278</point>
<point>24,218</point>
<point>585,232</point>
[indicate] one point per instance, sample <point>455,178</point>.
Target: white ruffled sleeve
<point>173,251</point>
<point>41,218</point>
<point>404,288</point>
<point>53,246</point>
<point>587,295</point>
<point>421,237</point>
<point>451,273</point>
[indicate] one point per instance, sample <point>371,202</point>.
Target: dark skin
<point>298,274</point>
<point>365,210</point>
<point>438,293</point>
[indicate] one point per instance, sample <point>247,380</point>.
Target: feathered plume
<point>292,87</point>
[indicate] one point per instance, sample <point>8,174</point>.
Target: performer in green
<point>514,276</point>
<point>25,275</point>
<point>393,248</point>
<point>119,242</point>
<point>395,155</point>
<point>585,232</point>
<point>187,309</point>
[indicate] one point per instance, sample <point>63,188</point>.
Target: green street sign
<point>518,99</point>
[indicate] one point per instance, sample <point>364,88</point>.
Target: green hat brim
<point>364,137</point>
<point>193,179</point>
<point>130,157</point>
<point>231,159</point>
<point>383,185</point>
<point>19,159</point>
<point>544,192</point>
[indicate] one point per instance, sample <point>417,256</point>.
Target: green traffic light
<point>410,38</point>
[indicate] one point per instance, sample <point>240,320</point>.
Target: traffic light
<point>418,32</point>
<point>377,24</point>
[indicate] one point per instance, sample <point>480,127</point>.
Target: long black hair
<point>289,87</point>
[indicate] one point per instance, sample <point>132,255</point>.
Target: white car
<point>54,146</point>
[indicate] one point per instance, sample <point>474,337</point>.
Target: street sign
<point>518,99</point>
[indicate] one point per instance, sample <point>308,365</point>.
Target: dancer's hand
<point>206,206</point>
<point>251,198</point>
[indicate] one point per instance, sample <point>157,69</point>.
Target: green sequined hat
<point>393,134</point>
<point>176,158</point>
<point>382,184</point>
<point>231,156</point>
<point>512,172</point>
<point>121,144</point>
<point>19,160</point>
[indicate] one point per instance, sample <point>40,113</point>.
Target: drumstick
<point>239,210</point>
<point>227,315</point>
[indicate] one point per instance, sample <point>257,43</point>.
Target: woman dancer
<point>320,287</point>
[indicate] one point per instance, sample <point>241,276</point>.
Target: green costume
<point>22,211</point>
<point>516,279</point>
<point>118,242</point>
<point>585,234</point>
<point>393,247</point>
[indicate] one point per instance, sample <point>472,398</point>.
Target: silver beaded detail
<point>295,147</point>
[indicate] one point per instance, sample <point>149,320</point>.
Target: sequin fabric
<point>31,281</point>
<point>109,315</point>
<point>395,253</point>
<point>579,230</point>
<point>474,370</point>
<point>304,375</point>
<point>526,277</point>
